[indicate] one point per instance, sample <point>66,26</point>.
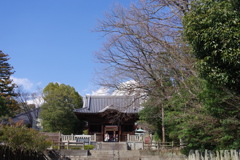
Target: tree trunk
<point>163,126</point>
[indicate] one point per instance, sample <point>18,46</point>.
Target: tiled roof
<point>24,116</point>
<point>98,104</point>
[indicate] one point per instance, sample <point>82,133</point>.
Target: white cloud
<point>24,82</point>
<point>38,101</point>
<point>101,91</point>
<point>126,89</point>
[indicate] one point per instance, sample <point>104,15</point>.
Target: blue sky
<point>51,40</point>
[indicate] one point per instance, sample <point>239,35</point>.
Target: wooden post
<point>95,137</point>
<point>163,126</point>
<point>83,145</point>
<point>59,140</point>
<point>72,137</point>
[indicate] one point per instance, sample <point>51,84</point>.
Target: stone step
<point>111,158</point>
<point>65,152</point>
<point>121,154</point>
<point>112,146</point>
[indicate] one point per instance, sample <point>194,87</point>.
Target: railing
<point>55,137</point>
<point>98,137</point>
<point>68,145</point>
<point>141,145</point>
<point>123,138</point>
<point>93,137</point>
<point>134,138</point>
<point>134,142</point>
<point>67,137</point>
<point>74,138</point>
<point>160,145</point>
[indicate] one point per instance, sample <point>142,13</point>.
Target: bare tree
<point>144,43</point>
<point>29,103</point>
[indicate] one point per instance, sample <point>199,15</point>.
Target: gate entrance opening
<point>111,133</point>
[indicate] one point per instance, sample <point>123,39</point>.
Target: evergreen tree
<point>8,104</point>
<point>57,111</point>
<point>204,117</point>
<point>212,29</point>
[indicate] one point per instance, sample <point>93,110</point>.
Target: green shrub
<point>88,147</point>
<point>19,137</point>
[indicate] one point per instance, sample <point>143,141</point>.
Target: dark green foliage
<point>223,106</point>
<point>8,105</point>
<point>6,85</point>
<point>18,137</point>
<point>4,110</point>
<point>57,111</point>
<point>212,120</point>
<point>212,29</point>
<point>152,115</point>
<point>204,116</point>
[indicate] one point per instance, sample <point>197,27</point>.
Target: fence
<point>140,145</point>
<point>97,137</point>
<point>134,142</point>
<point>160,145</point>
<point>135,138</point>
<point>7,154</point>
<point>78,138</point>
<point>68,145</point>
<point>214,155</point>
<point>55,137</point>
